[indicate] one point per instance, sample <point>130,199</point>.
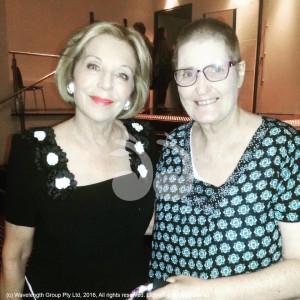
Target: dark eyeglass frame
<point>229,63</point>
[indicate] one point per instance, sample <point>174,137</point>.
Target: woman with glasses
<point>227,185</point>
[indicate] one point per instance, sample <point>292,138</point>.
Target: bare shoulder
<point>62,129</point>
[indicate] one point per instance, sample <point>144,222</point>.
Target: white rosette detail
<point>62,183</point>
<point>139,147</point>
<point>52,159</point>
<point>142,170</point>
<point>138,127</point>
<point>40,135</point>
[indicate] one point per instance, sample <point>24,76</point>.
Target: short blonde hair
<point>74,48</point>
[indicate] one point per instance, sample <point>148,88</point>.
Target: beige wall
<point>4,87</point>
<point>279,72</point>
<point>278,86</point>
<point>6,123</point>
<point>44,26</point>
<point>246,28</point>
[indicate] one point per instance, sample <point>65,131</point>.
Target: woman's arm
<point>279,281</point>
<point>15,253</point>
<point>150,226</point>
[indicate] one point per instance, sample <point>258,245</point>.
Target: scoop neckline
<point>240,166</point>
<point>67,168</point>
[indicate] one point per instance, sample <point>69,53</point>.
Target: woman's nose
<point>202,84</point>
<point>105,80</point>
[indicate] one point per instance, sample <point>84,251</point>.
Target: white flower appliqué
<point>52,159</point>
<point>139,147</point>
<point>142,170</point>
<point>40,135</point>
<point>138,127</point>
<point>62,183</point>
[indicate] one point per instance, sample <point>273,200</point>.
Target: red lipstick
<point>101,101</point>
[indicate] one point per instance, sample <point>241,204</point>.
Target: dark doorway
<point>173,20</point>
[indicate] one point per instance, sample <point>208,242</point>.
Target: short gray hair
<point>208,28</point>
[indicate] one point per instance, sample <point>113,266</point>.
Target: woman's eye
<point>123,76</point>
<point>218,69</point>
<point>93,67</point>
<point>188,73</point>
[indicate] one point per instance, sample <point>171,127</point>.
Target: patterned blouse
<point>208,232</point>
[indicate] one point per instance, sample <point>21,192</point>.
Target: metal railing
<point>26,88</point>
<point>17,91</point>
<point>33,54</point>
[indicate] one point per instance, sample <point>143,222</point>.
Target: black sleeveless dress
<point>89,240</point>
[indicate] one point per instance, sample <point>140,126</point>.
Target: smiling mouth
<point>207,102</point>
<point>101,101</point>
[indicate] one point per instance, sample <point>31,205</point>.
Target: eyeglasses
<point>216,72</point>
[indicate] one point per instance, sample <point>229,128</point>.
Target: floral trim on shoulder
<point>50,158</point>
<point>138,145</point>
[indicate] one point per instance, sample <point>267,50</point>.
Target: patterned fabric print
<point>209,232</point>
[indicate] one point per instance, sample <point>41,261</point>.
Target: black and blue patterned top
<point>208,232</point>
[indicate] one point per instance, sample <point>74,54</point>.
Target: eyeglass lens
<point>187,77</point>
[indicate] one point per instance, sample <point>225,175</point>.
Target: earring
<point>127,105</point>
<point>71,88</point>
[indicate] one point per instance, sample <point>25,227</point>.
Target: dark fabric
<point>162,70</point>
<point>89,242</point>
<point>161,82</point>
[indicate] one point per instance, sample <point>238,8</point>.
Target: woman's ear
<point>241,73</point>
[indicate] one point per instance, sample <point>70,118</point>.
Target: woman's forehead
<point>108,46</point>
<point>203,51</point>
<point>211,42</point>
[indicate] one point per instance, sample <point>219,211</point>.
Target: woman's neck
<point>225,126</point>
<point>96,132</point>
<point>238,126</point>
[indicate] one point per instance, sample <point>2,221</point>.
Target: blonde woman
<point>79,197</point>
